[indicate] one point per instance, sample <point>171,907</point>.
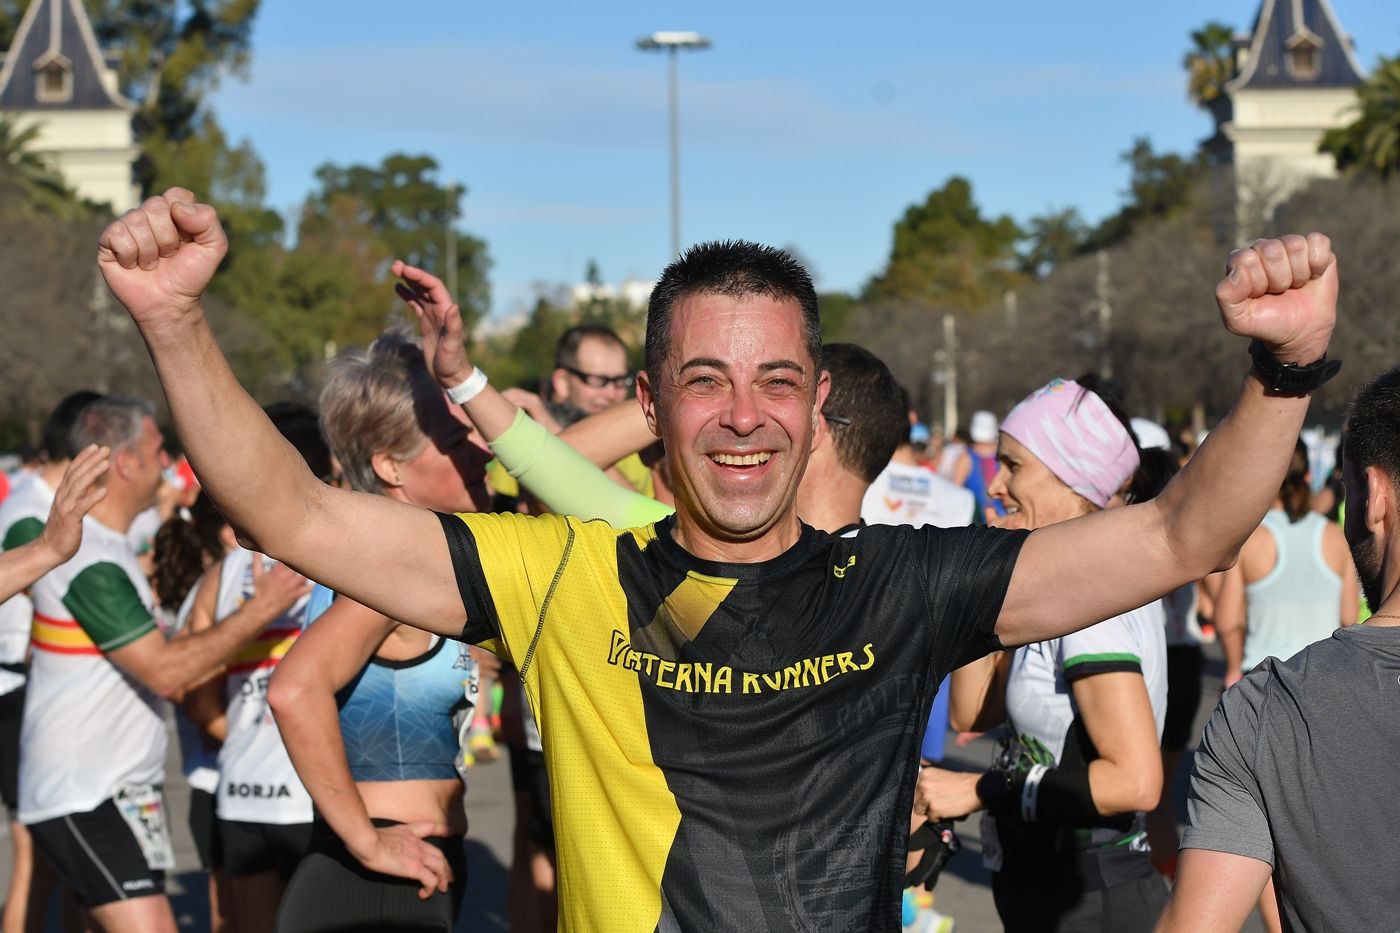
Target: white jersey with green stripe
<point>88,728</point>
<point>22,518</point>
<point>1039,703</point>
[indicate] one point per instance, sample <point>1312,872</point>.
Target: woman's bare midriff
<point>437,801</point>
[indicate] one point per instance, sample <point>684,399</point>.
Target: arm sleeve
<point>566,482</point>
<point>507,567</point>
<point>21,533</point>
<point>968,572</point>
<point>1109,647</point>
<point>1224,809</point>
<point>106,605</point>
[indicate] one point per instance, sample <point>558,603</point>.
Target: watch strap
<point>1290,378</point>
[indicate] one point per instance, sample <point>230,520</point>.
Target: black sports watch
<point>1290,378</point>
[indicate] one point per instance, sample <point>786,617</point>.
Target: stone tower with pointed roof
<point>55,76</point>
<point>1295,79</point>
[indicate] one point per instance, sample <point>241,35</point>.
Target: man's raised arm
<point>1282,293</point>
<point>158,260</point>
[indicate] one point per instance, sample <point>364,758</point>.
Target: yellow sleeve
<point>507,568</point>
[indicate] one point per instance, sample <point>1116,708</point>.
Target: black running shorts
<point>254,848</point>
<point>96,856</point>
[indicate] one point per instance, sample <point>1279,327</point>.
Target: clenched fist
<point>158,258</point>
<point>1283,292</point>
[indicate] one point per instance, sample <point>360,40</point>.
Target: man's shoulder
<point>101,548</point>
<point>31,498</point>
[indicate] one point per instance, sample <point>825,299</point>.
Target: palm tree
<point>1370,145</point>
<point>1209,62</point>
<point>25,173</point>
<point>1052,239</point>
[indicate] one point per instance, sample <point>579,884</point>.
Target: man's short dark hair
<point>566,349</point>
<point>1373,426</point>
<point>56,443</point>
<point>865,394</point>
<point>735,269</point>
<point>302,429</point>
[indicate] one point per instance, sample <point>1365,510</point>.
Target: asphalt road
<point>964,890</point>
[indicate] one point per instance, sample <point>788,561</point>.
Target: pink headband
<point>1072,431</point>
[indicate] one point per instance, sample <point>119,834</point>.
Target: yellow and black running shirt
<point>730,746</point>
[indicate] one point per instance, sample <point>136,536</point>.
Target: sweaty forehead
<point>742,332</point>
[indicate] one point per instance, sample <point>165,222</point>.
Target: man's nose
<point>743,414</point>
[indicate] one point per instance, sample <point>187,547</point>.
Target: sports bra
<point>398,718</point>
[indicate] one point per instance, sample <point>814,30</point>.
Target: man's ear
<point>818,422</point>
<point>646,397</point>
<point>821,432</point>
<point>1380,501</point>
<point>559,386</point>
<point>386,467</point>
<point>122,462</point>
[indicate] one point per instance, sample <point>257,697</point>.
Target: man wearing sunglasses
<point>590,369</point>
<point>591,374</point>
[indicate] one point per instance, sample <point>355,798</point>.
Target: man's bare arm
<point>1215,891</point>
<point>1077,573</point>
<point>611,435</point>
<point>158,260</point>
<point>171,667</point>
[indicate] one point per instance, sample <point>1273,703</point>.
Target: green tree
<point>947,255</point>
<point>409,211</point>
<point>528,354</point>
<point>28,183</point>
<point>1052,239</point>
<point>1370,145</point>
<point>1161,186</point>
<point>1209,62</point>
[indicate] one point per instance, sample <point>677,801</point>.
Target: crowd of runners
<point>721,629</point>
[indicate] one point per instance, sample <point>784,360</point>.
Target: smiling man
<point>732,701</point>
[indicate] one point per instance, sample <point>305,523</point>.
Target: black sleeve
<point>483,624</point>
<point>968,571</point>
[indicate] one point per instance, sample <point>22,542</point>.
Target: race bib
<point>991,842</point>
<point>143,808</point>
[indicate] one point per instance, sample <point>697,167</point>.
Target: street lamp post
<point>671,43</point>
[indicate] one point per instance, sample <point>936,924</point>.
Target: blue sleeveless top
<point>398,718</point>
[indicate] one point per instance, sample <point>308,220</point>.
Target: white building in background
<point>1295,79</point>
<point>633,292</point>
<point>55,76</point>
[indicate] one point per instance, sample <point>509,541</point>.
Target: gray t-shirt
<point>1298,768</point>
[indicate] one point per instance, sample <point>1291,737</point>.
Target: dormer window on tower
<point>1303,57</point>
<point>53,79</point>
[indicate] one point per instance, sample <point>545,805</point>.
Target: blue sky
<point>806,125</point>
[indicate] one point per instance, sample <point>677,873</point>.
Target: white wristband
<point>464,392</point>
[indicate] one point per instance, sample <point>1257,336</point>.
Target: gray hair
<point>113,421</point>
<point>373,402</point>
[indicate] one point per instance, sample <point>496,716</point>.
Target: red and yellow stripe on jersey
<point>61,636</point>
<point>271,645</point>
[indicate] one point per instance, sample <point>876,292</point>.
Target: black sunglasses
<point>596,381</point>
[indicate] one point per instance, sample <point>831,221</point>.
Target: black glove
<point>939,843</point>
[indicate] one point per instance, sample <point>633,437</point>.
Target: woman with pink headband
<point>1064,827</point>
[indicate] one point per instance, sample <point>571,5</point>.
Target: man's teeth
<point>740,459</point>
